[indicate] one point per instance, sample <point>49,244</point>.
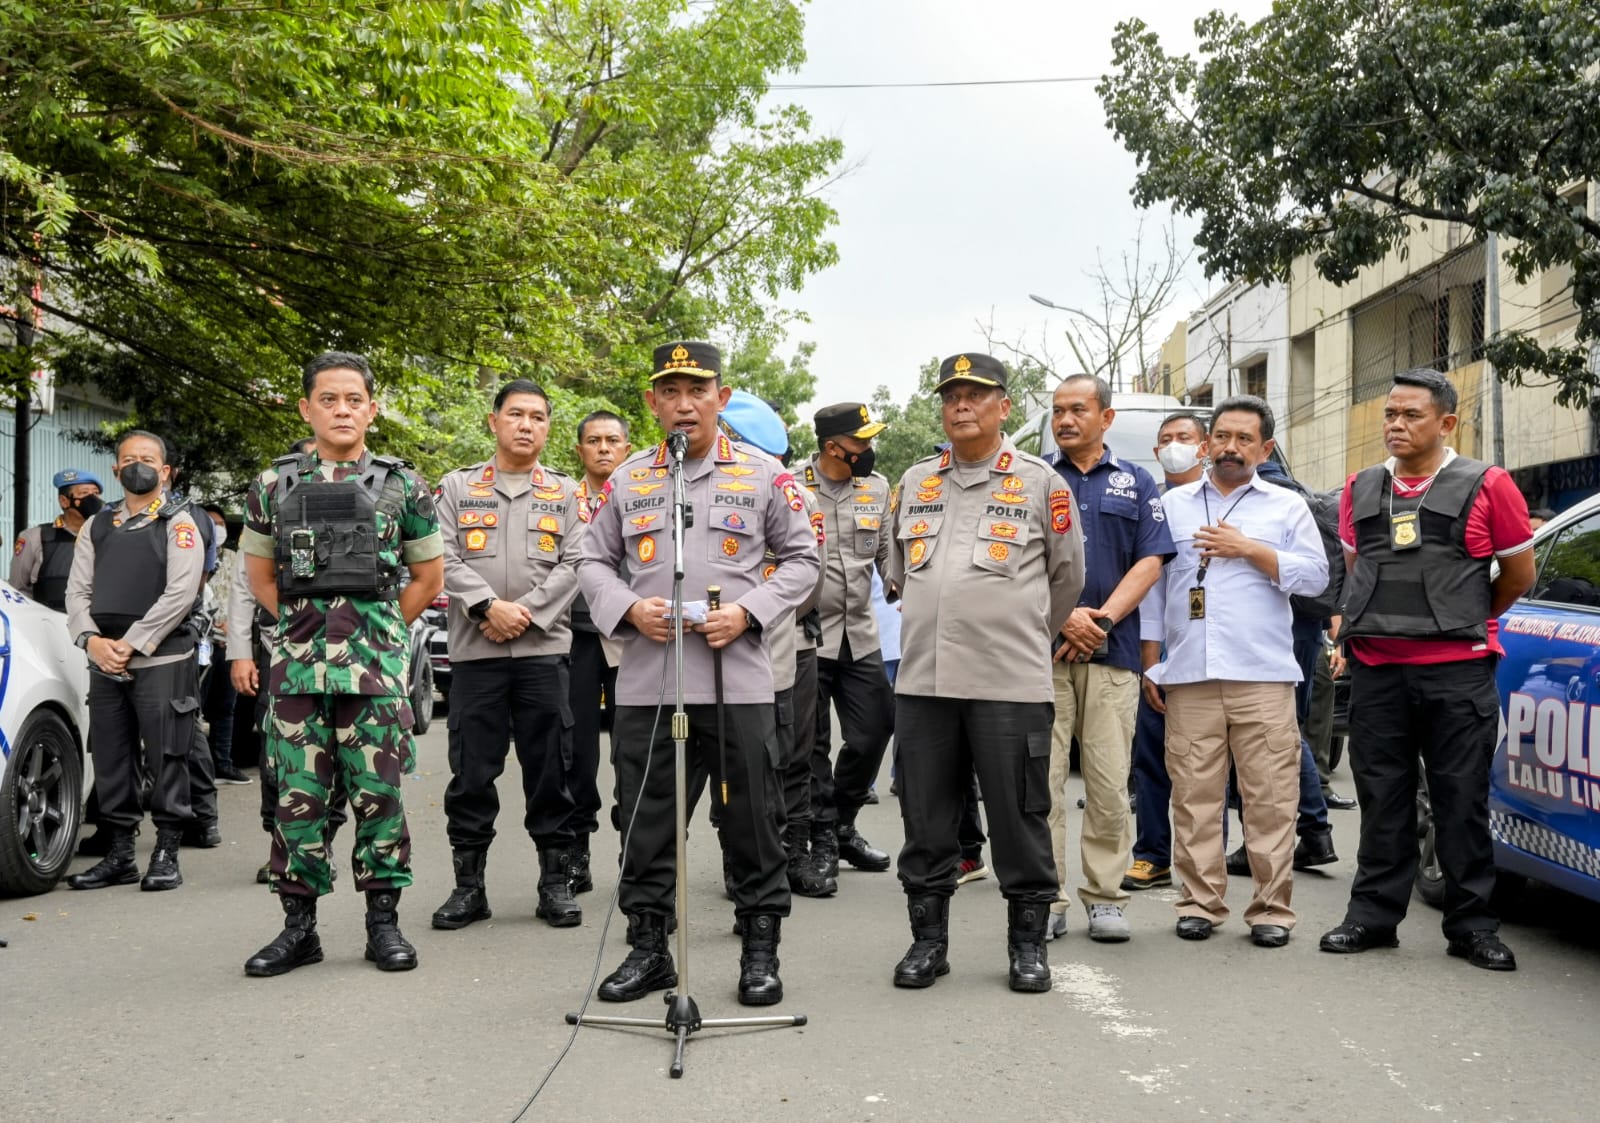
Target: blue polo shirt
<point>1119,508</point>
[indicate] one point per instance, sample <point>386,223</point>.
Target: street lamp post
<point>1037,299</point>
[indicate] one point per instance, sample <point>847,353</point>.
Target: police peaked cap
<point>747,418</point>
<point>847,419</point>
<point>982,370</point>
<point>72,477</point>
<point>697,360</point>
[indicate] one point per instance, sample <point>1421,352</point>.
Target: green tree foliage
<point>203,194</point>
<point>1325,128</point>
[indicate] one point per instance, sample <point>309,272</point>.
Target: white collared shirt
<point>1246,633</point>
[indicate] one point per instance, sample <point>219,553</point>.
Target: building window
<point>1302,378</point>
<point>1201,396</point>
<point>1254,381</point>
<point>1431,319</point>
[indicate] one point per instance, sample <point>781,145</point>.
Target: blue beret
<point>747,418</point>
<point>72,477</point>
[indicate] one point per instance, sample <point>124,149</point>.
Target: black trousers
<point>860,690</point>
<point>494,702</point>
<point>1449,712</point>
<point>752,848</point>
<point>151,718</point>
<point>590,679</point>
<point>796,752</point>
<point>946,740</point>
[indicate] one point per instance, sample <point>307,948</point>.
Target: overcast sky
<point>967,199</point>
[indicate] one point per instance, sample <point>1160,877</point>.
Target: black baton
<point>714,602</point>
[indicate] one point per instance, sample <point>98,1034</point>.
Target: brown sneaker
<point>1146,875</point>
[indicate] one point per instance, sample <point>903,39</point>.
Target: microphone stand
<point>683,1016</point>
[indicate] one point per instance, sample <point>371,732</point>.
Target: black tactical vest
<point>1435,591</point>
<point>51,588</point>
<point>130,574</point>
<point>327,540</point>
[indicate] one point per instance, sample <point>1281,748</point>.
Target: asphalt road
<point>122,1005</point>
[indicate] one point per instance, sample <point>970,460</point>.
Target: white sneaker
<point>1055,926</point>
<point>1107,925</point>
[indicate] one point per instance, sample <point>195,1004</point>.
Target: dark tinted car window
<point>1570,571</point>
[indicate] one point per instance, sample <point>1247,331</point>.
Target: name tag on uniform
<point>1404,531</point>
<point>1197,603</point>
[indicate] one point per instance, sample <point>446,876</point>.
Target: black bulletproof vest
<point>130,574</point>
<point>334,527</point>
<point>51,587</point>
<point>1435,591</point>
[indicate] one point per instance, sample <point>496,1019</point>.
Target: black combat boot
<point>582,881</point>
<point>385,945</point>
<point>116,868</point>
<point>468,901</point>
<point>648,966</point>
<point>855,849</point>
<point>805,879</point>
<point>759,984</point>
<point>825,849</point>
<point>1030,971</point>
<point>926,959</point>
<point>557,906</point>
<point>163,872</point>
<point>298,943</point>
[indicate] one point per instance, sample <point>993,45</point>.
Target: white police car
<point>1544,789</point>
<point>44,684</point>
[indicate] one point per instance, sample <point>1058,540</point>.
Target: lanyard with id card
<point>1197,594</point>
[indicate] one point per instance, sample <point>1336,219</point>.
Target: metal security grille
<point>1432,319</point>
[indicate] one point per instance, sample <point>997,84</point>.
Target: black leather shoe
<point>860,853</point>
<point>1268,935</point>
<point>582,879</point>
<point>202,836</point>
<point>1239,863</point>
<point>759,984</point>
<point>1483,949</point>
<point>1194,928</point>
<point>1314,849</point>
<point>1351,937</point>
<point>926,959</point>
<point>386,947</point>
<point>557,906</point>
<point>825,849</point>
<point>648,966</point>
<point>805,880</point>
<point>1337,802</point>
<point>98,845</point>
<point>1029,971</point>
<point>297,945</point>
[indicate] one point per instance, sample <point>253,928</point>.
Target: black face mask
<point>860,463</point>
<point>88,505</point>
<point>139,478</point>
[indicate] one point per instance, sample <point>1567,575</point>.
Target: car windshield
<point>1132,436</point>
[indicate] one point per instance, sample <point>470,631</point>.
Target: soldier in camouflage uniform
<point>325,539</point>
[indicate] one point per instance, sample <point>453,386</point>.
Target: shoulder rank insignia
<point>1004,463</point>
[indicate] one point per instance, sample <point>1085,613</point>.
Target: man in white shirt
<point>1243,547</point>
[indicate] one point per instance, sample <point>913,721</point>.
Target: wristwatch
<point>83,639</point>
<point>480,611</point>
<point>751,624</point>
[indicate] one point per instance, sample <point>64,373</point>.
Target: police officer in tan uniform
<point>990,561</point>
<point>743,505</point>
<point>42,560</point>
<point>855,503</point>
<point>511,538</point>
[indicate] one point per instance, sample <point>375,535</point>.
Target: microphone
<point>677,444</point>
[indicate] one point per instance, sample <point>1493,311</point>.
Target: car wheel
<point>41,803</point>
<point>422,700</point>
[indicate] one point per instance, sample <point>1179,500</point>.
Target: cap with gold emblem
<point>983,370</point>
<point>697,360</point>
<point>847,419</point>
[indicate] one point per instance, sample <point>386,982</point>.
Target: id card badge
<point>1404,531</point>
<point>1197,603</point>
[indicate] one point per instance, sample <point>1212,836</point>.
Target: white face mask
<point>1177,458</point>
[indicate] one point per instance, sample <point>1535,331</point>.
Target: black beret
<point>698,360</point>
<point>985,370</point>
<point>847,419</point>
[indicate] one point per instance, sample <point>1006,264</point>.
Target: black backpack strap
<point>290,469</point>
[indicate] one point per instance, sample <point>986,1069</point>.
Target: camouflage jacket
<point>341,644</point>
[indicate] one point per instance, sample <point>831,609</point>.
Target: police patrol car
<point>44,684</point>
<point>1544,790</point>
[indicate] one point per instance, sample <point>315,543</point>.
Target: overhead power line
<point>791,86</point>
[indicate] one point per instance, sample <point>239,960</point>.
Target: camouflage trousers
<point>309,740</point>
